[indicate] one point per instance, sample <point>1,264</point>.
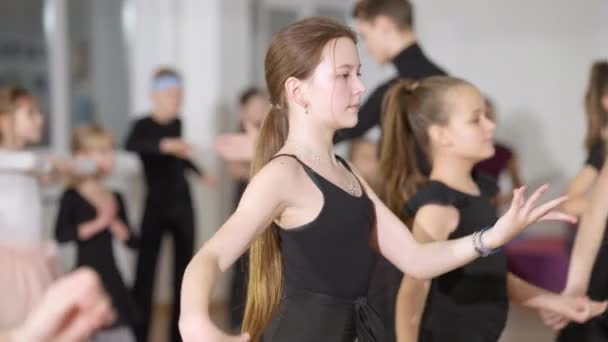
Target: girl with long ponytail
<point>309,220</point>
<point>445,119</point>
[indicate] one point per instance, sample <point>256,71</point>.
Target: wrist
<point>491,239</point>
<point>575,289</point>
<point>543,301</point>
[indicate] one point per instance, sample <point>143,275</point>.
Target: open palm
<point>523,213</point>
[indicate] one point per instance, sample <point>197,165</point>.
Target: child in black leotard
<point>447,118</point>
<point>93,216</point>
<point>595,281</point>
<point>312,225</point>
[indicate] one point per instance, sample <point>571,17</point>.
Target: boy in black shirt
<point>386,29</point>
<point>166,158</point>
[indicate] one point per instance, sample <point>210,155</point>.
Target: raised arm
<point>426,261</point>
<point>23,161</point>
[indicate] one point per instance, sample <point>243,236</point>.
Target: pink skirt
<point>25,273</point>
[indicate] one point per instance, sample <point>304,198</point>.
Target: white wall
<point>533,59</point>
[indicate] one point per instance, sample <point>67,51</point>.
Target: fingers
<point>553,320</point>
<point>560,324</point>
<point>597,308</point>
<point>535,196</point>
<point>517,200</point>
<point>86,322</point>
<point>73,304</point>
<point>582,310</point>
<point>559,216</point>
<point>546,208</point>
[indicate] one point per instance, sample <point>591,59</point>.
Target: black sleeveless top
<point>469,303</point>
<point>326,268</point>
<point>331,254</point>
<point>597,155</point>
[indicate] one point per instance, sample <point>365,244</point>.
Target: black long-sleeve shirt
<point>165,174</point>
<point>97,251</point>
<point>410,63</point>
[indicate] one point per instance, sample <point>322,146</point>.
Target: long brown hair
<point>597,113</point>
<point>409,108</point>
<point>295,51</point>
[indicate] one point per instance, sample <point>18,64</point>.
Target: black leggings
<point>304,316</point>
<point>176,219</point>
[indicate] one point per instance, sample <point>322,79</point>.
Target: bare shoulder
<point>437,221</point>
<point>280,175</point>
<point>282,168</point>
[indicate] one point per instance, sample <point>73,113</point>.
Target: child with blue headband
<point>157,139</point>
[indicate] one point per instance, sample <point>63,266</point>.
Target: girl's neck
<point>455,172</point>
<point>313,143</point>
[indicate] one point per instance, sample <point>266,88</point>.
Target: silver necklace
<point>316,158</point>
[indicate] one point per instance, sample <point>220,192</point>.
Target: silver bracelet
<point>480,247</point>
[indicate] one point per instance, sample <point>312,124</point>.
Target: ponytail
<point>265,264</point>
<point>399,169</point>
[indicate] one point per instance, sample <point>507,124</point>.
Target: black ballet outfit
<point>168,209</point>
<point>596,329</point>
<point>326,265</point>
<point>470,303</point>
<point>97,251</point>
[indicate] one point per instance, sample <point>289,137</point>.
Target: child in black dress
<point>93,216</point>
<point>447,118</point>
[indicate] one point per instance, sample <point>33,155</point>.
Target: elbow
<point>421,276</point>
<point>418,273</point>
<point>189,325</point>
<point>202,259</point>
